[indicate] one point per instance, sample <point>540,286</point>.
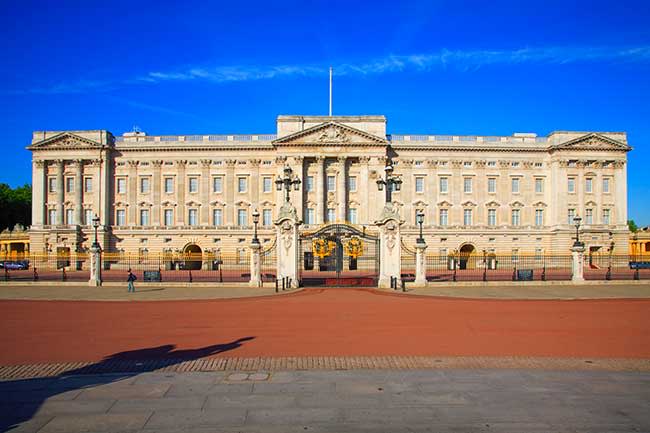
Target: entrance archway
<point>193,257</point>
<point>464,255</point>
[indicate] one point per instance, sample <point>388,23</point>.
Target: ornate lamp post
<point>576,221</point>
<point>484,265</point>
<point>419,217</point>
<point>256,219</point>
<point>96,226</point>
<point>389,182</point>
<point>608,275</point>
<point>286,182</point>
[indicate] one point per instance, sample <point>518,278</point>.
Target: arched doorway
<point>465,253</point>
<point>193,257</point>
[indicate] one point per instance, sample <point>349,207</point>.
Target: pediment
<point>539,204</point>
<point>267,203</point>
<point>331,133</point>
<point>192,203</point>
<point>468,203</point>
<point>592,141</point>
<point>242,203</point>
<point>493,203</point>
<point>66,141</point>
<point>516,204</point>
<point>419,203</point>
<point>444,203</point>
<point>168,203</point>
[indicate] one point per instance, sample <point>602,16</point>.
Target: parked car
<point>16,265</point>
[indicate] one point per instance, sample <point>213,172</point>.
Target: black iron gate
<point>339,255</point>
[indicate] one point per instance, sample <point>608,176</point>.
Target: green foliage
<point>632,226</point>
<point>15,206</point>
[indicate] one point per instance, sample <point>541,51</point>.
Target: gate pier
<point>390,251</point>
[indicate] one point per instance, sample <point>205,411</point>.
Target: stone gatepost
<point>390,247</point>
<point>577,263</point>
<point>420,264</point>
<point>95,266</point>
<point>256,265</point>
<point>287,244</point>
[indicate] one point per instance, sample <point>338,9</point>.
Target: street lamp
<point>287,181</point>
<point>419,217</point>
<point>576,221</point>
<point>484,265</point>
<point>96,226</point>
<point>389,181</point>
<point>256,219</point>
<point>608,275</point>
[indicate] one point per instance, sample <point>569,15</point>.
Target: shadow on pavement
<point>21,399</point>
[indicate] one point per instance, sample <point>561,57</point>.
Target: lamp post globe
<point>576,221</point>
<point>95,226</point>
<point>420,220</point>
<point>256,220</point>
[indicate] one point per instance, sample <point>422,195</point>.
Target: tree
<point>632,226</point>
<point>16,205</point>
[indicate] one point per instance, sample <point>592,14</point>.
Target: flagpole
<point>330,91</point>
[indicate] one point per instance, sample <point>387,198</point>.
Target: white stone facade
<point>160,194</point>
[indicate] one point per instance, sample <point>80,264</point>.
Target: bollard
<point>544,273</point>
<point>514,274</point>
<point>35,274</point>
<point>190,275</point>
<point>6,273</point>
<point>284,279</point>
<point>636,273</point>
<point>403,286</point>
<point>276,285</point>
<point>63,275</point>
<point>608,275</point>
<point>484,274</point>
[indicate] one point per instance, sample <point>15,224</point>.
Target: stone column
<point>577,263</point>
<point>420,264</point>
<point>287,244</point>
<point>78,192</point>
<point>132,194</point>
<point>256,265</point>
<point>341,194</point>
<point>39,192</point>
<point>230,192</point>
<point>390,251</point>
<point>60,217</point>
<point>204,217</point>
<point>320,188</point>
<point>155,210</point>
<point>620,189</point>
<point>363,186</point>
<point>180,193</point>
<point>95,266</point>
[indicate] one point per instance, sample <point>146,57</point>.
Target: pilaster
<point>157,186</point>
<point>78,192</point>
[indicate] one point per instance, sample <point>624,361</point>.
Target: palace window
<point>120,217</point>
<point>444,217</point>
<point>69,184</point>
<point>169,217</point>
<point>516,217</point>
<point>571,185</point>
<point>217,217</point>
<point>267,217</point>
<point>515,184</point>
<point>588,185</point>
<point>515,164</point>
<point>331,215</point>
<point>444,185</point>
<point>51,184</point>
<point>352,183</point>
<point>192,217</point>
<point>69,216</point>
<point>539,217</point>
<point>467,164</point>
<point>539,185</point>
<point>605,216</point>
<point>467,185</point>
<point>467,217</point>
<point>120,185</point>
<point>352,216</point>
<point>242,184</point>
<point>88,184</point>
<point>88,217</point>
<point>310,184</point>
<point>492,217</point>
<point>217,184</point>
<point>51,217</point>
<point>606,185</point>
<point>491,163</point>
<point>194,184</point>
<point>169,185</point>
<point>419,184</point>
<point>242,218</point>
<point>589,216</point>
<point>266,184</point>
<point>571,213</point>
<point>492,185</point>
<point>331,183</point>
<point>144,185</point>
<point>144,217</point>
<point>310,216</point>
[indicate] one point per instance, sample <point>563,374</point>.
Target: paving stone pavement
<point>458,400</point>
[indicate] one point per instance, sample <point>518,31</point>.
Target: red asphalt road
<point>341,322</point>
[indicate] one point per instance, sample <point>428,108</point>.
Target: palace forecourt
<point>193,202</point>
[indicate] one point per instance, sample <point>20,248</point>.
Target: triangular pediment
<point>592,141</point>
<point>66,141</point>
<point>331,133</point>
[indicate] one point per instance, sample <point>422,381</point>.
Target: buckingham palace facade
<point>197,192</point>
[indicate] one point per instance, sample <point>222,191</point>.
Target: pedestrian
<point>131,278</point>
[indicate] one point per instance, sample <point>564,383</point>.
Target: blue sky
<point>438,67</point>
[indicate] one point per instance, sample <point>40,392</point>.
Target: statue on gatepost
<point>287,231</point>
<point>577,255</point>
<point>95,258</point>
<point>390,254</point>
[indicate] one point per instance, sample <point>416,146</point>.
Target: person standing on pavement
<point>130,279</point>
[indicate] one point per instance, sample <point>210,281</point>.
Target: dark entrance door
<point>339,255</point>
